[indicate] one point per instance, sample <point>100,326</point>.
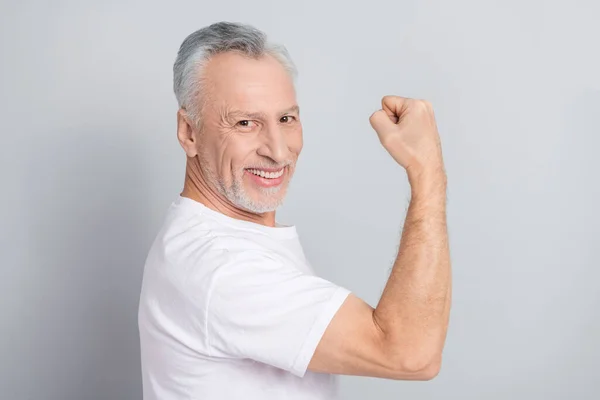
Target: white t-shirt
<point>230,309</point>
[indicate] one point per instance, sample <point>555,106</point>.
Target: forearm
<point>413,311</point>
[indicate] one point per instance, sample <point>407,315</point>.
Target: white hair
<point>197,49</point>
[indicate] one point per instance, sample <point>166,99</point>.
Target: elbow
<point>424,370</point>
<point>431,370</point>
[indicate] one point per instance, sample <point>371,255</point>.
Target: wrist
<point>428,182</point>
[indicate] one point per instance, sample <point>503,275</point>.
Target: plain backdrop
<point>90,163</point>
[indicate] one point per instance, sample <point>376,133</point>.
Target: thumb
<point>382,122</point>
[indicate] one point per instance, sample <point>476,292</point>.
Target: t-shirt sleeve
<point>262,309</point>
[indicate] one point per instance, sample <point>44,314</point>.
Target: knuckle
<point>427,104</point>
<point>423,106</point>
<point>392,99</point>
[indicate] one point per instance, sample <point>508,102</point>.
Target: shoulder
<point>200,251</point>
<point>191,239</point>
<point>191,251</point>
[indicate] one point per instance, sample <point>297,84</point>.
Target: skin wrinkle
<point>233,115</point>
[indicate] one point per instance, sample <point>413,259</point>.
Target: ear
<point>186,134</point>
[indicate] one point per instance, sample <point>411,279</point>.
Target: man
<point>230,308</point>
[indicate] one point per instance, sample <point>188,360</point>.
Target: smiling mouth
<point>266,174</point>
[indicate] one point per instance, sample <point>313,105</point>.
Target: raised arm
<point>404,336</point>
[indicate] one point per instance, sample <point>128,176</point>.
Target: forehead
<point>233,80</point>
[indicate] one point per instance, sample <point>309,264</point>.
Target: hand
<point>408,131</point>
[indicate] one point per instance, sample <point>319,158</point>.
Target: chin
<point>269,205</point>
<point>260,209</point>
<point>257,202</point>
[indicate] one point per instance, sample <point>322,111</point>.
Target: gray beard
<point>238,196</point>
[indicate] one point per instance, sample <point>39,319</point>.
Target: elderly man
<point>230,307</point>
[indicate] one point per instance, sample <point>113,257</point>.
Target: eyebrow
<point>260,115</point>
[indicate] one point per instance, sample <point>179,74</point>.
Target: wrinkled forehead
<point>235,81</point>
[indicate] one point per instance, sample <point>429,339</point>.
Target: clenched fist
<point>408,131</point>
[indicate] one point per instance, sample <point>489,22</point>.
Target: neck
<point>196,187</point>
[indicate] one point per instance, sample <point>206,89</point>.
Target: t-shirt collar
<point>280,231</point>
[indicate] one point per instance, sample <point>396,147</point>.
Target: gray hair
<point>197,49</point>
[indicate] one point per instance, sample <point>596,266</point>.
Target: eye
<point>246,123</point>
<point>287,118</point>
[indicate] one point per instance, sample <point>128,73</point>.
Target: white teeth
<point>268,175</point>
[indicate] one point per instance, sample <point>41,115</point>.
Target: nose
<point>274,144</point>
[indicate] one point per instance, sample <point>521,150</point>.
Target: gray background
<point>90,162</point>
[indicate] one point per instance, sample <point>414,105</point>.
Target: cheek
<point>207,155</point>
<point>217,156</point>
<point>296,140</point>
<point>235,154</point>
